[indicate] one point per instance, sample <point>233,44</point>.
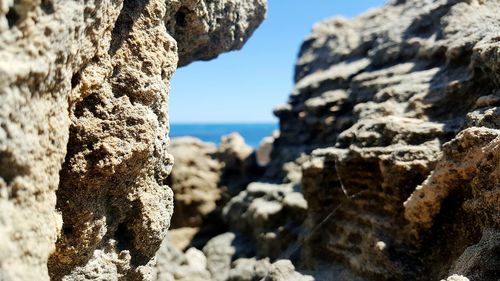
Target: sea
<point>253,133</point>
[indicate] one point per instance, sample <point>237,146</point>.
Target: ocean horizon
<point>253,133</point>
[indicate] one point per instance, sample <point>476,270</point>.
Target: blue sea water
<point>253,133</point>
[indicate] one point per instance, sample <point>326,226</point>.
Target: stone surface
<point>239,162</point>
<point>391,134</point>
<point>222,250</point>
<point>204,29</point>
<point>386,165</point>
<point>271,214</point>
<point>203,180</point>
<point>84,128</point>
<point>385,168</point>
<point>284,270</point>
<point>249,269</point>
<point>194,181</point>
<point>172,264</point>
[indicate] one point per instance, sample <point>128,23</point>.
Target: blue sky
<point>244,86</point>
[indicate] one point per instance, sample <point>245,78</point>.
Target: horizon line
<point>222,122</point>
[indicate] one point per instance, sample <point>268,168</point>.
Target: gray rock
<point>284,270</point>
<point>249,269</point>
<point>269,213</point>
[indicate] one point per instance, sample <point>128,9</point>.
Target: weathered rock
<point>249,269</point>
<point>239,162</point>
<point>455,277</point>
<point>222,250</point>
<point>172,264</point>
<point>263,153</point>
<point>204,29</point>
<point>83,122</point>
<point>194,181</point>
<point>397,112</point>
<point>203,180</point>
<point>271,214</point>
<point>284,270</point>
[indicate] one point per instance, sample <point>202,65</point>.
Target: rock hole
<point>123,237</point>
<point>67,230</point>
<point>75,80</point>
<point>91,103</point>
<point>180,18</point>
<point>47,6</point>
<point>10,168</point>
<point>12,17</point>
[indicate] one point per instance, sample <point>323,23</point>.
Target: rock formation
<point>84,128</point>
<point>396,112</point>
<point>386,166</point>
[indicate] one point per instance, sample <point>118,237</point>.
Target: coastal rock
<point>284,270</point>
<point>263,153</point>
<point>204,29</point>
<point>174,265</point>
<point>194,181</point>
<point>270,214</point>
<point>203,179</point>
<point>239,164</point>
<point>391,134</point>
<point>222,250</point>
<point>249,269</point>
<point>84,128</point>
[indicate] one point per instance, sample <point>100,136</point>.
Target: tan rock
<point>84,129</point>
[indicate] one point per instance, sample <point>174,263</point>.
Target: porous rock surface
<point>386,165</point>
<point>393,129</point>
<point>84,128</point>
<point>194,180</point>
<point>203,179</point>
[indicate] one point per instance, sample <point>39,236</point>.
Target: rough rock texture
<point>203,179</point>
<point>270,214</point>
<point>386,165</point>
<point>172,264</point>
<point>224,258</point>
<point>392,133</point>
<point>239,162</point>
<point>84,129</point>
<point>194,180</point>
<point>284,270</point>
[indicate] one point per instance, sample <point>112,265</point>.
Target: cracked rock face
<point>84,128</point>
<point>397,114</point>
<point>386,165</point>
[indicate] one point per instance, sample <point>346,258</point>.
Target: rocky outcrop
<point>84,128</point>
<point>203,180</point>
<point>386,165</point>
<point>396,112</point>
<point>194,181</point>
<point>269,213</point>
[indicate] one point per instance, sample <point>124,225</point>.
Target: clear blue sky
<point>244,86</point>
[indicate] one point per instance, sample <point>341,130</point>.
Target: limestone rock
<point>204,29</point>
<point>194,181</point>
<point>249,269</point>
<point>203,179</point>
<point>222,250</point>
<point>393,124</point>
<point>263,153</point>
<point>455,277</point>
<point>239,164</point>
<point>84,128</point>
<point>172,264</point>
<point>284,270</point>
<point>271,214</point>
